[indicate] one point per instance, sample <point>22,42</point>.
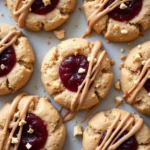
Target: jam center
<point>7,61</point>
<point>133,9</point>
<point>38,7</point>
<point>69,72</point>
<point>130,144</point>
<point>38,138</point>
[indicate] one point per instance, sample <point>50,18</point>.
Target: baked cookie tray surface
<point>75,27</point>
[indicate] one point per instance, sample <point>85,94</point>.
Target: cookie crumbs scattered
<point>123,6</point>
<point>123,57</point>
<point>118,100</point>
<point>14,140</point>
<point>117,85</point>
<point>121,65</point>
<point>137,57</point>
<point>22,122</point>
<point>30,131</point>
<point>28,145</point>
<point>122,50</point>
<point>46,2</point>
<point>81,70</point>
<point>2,66</point>
<point>78,130</point>
<point>124,31</point>
<point>60,34</point>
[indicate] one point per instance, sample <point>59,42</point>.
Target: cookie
<point>135,74</point>
<point>14,48</point>
<point>77,73</point>
<point>30,122</point>
<point>116,129</point>
<point>40,14</point>
<point>119,21</point>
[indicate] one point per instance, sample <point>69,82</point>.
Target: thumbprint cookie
<point>77,73</point>
<point>116,129</point>
<point>135,78</point>
<point>31,123</point>
<point>16,59</point>
<point>118,20</point>
<point>40,14</point>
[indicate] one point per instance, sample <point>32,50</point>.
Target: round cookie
<point>38,122</point>
<point>14,48</point>
<point>41,14</point>
<point>112,124</point>
<point>121,23</point>
<point>65,68</point>
<point>135,82</point>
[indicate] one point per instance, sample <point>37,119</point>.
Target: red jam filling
<point>133,9</point>
<point>130,144</point>
<point>68,71</point>
<point>38,138</point>
<point>147,85</point>
<point>7,61</point>
<point>39,8</point>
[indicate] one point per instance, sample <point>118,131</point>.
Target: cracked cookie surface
<point>53,83</point>
<point>119,31</point>
<point>50,20</point>
<point>41,117</point>
<point>130,73</point>
<point>100,123</point>
<point>23,66</point>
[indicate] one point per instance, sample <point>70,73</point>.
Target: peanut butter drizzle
<point>144,75</point>
<point>9,40</point>
<point>22,116</point>
<point>93,70</point>
<point>23,12</point>
<point>100,13</point>
<point>110,141</point>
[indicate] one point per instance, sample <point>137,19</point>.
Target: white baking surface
<point>75,27</point>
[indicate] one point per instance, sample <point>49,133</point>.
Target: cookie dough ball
<point>100,124</point>
<point>41,122</point>
<point>19,52</point>
<point>65,67</point>
<point>137,58</point>
<point>124,23</point>
<point>41,14</point>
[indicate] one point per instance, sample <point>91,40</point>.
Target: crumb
<point>123,57</point>
<point>121,65</point>
<point>78,130</point>
<point>28,145</point>
<point>48,42</point>
<point>5,3</point>
<point>118,100</point>
<point>60,34</point>
<point>123,6</point>
<point>112,62</point>
<point>117,85</point>
<point>1,14</point>
<point>80,8</point>
<point>129,44</point>
<point>14,140</point>
<point>122,50</point>
<point>81,70</point>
